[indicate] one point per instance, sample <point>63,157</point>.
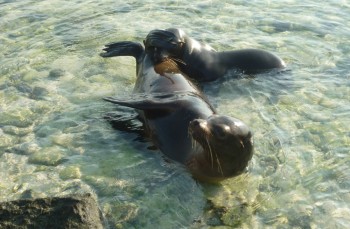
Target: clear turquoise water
<point>54,141</point>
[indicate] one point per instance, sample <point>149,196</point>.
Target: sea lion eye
<point>221,131</point>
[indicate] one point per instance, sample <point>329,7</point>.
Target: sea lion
<point>181,122</point>
<point>198,61</point>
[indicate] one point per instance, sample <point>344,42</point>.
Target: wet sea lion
<point>198,61</point>
<point>182,124</point>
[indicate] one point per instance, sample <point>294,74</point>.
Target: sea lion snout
<point>158,55</point>
<point>198,123</point>
<point>198,128</point>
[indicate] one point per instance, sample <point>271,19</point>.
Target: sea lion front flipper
<point>150,101</point>
<point>123,48</point>
<point>126,122</point>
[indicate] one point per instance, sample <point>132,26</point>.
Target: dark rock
<point>75,211</point>
<point>24,88</point>
<point>56,73</point>
<point>27,194</point>
<point>38,93</point>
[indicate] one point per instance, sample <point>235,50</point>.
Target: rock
<point>24,88</point>
<point>75,211</point>
<point>71,172</point>
<point>56,73</point>
<point>51,156</point>
<point>39,93</point>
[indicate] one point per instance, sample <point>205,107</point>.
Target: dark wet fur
<point>123,48</point>
<point>161,38</point>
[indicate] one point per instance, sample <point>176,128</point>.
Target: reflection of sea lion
<point>199,61</point>
<point>182,124</point>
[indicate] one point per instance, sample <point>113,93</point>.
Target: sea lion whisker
<point>193,143</point>
<point>169,60</point>
<point>172,63</point>
<point>219,164</point>
<point>210,152</point>
<point>178,60</point>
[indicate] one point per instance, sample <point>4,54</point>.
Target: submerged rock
<point>56,73</point>
<point>24,88</point>
<point>76,211</point>
<point>71,172</point>
<point>51,156</point>
<point>39,93</point>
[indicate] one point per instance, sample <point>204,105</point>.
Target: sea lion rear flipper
<point>123,48</point>
<point>149,101</point>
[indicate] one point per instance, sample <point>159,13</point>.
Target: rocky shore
<point>73,211</point>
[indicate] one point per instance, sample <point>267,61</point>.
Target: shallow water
<point>54,140</point>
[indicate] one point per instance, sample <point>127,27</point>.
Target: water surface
<point>54,140</point>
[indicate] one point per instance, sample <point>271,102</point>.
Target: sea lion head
<point>227,147</point>
<point>163,44</point>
